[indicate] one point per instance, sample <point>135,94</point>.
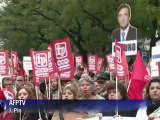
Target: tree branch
<point>98,20</point>
<point>42,37</point>
<point>56,11</point>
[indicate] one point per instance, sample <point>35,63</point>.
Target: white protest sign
<point>130,47</point>
<point>92,63</point>
<point>111,118</point>
<point>155,59</point>
<point>27,64</point>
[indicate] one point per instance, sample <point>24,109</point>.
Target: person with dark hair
<point>101,83</point>
<point>152,111</point>
<point>43,88</point>
<point>121,95</point>
<point>54,88</point>
<point>19,81</point>
<point>111,91</point>
<point>126,31</point>
<point>25,93</point>
<point>7,83</point>
<point>80,71</point>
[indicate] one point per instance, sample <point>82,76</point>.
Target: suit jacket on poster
<point>132,34</point>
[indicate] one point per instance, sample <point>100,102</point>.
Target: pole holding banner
<point>59,87</point>
<point>116,111</point>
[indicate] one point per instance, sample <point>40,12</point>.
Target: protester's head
<point>111,91</point>
<point>121,80</point>
<point>80,70</point>
<point>85,69</point>
<point>69,93</point>
<point>54,82</point>
<point>153,90</point>
<point>25,93</point>
<point>84,75</point>
<point>144,92</point>
<point>92,75</point>
<point>19,81</point>
<point>87,87</point>
<point>7,83</point>
<point>43,86</point>
<point>54,85</point>
<point>97,87</point>
<point>73,86</point>
<point>124,15</point>
<point>101,82</point>
<point>29,85</point>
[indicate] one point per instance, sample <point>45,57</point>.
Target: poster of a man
<point>125,32</point>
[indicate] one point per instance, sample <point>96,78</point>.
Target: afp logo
<point>41,60</point>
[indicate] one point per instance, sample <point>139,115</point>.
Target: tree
<point>148,22</point>
<point>88,23</point>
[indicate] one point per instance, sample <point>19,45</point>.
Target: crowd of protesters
<point>84,86</point>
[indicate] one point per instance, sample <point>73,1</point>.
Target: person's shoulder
<point>132,27</point>
<point>99,97</point>
<point>116,30</point>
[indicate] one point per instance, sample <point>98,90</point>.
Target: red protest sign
<point>4,65</point>
<point>121,61</point>
<point>111,62</point>
<point>14,59</point>
<point>8,93</point>
<point>100,63</point>
<point>62,50</point>
<point>40,64</point>
<point>67,75</point>
<point>92,63</point>
<point>78,60</point>
<point>52,68</point>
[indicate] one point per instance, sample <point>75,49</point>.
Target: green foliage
<point>89,23</point>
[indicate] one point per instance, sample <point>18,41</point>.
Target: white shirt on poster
<point>125,32</point>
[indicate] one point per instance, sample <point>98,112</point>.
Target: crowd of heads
<point>83,86</point>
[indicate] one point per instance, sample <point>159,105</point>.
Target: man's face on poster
<point>123,18</point>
